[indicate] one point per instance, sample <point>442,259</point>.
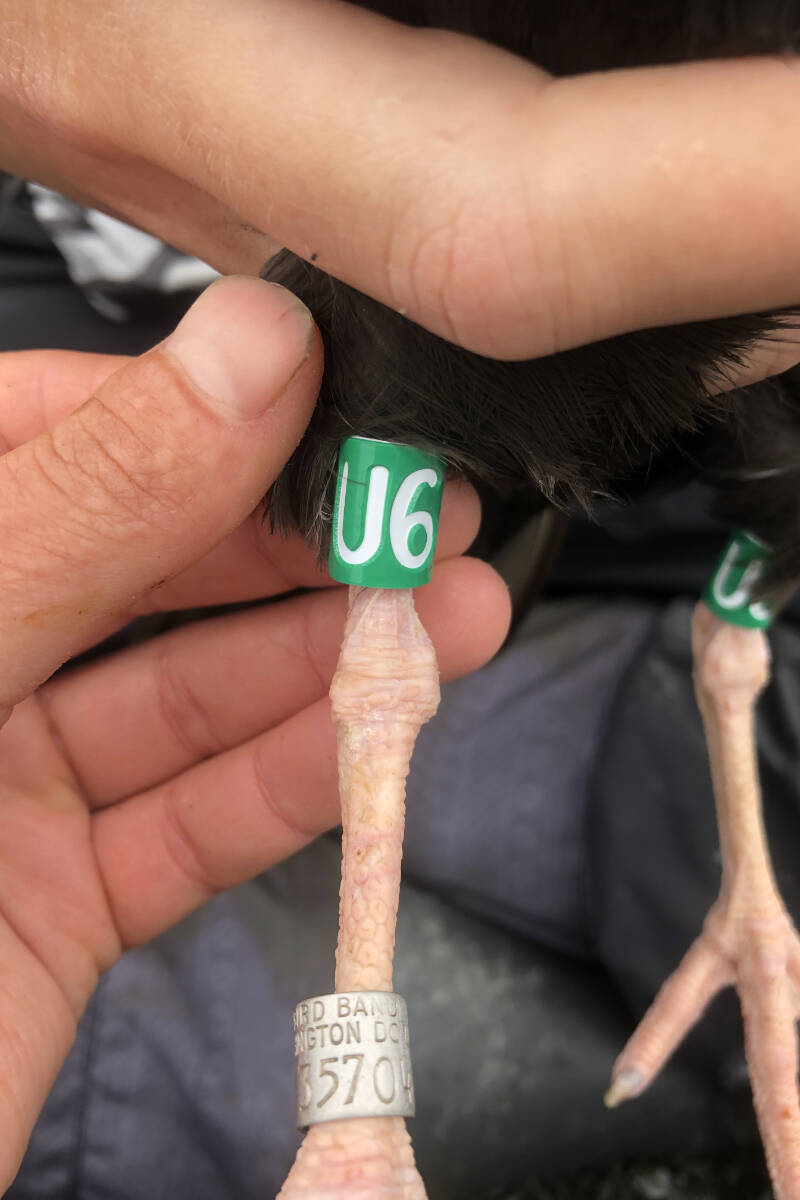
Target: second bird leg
<point>748,939</point>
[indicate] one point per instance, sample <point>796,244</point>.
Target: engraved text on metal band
<point>352,1056</point>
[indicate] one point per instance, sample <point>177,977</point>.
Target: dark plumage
<point>600,420</point>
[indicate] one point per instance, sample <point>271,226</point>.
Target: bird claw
<point>748,939</point>
<point>750,943</point>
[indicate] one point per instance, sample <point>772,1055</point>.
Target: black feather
<point>590,422</point>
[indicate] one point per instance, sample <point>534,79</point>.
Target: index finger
<point>511,212</point>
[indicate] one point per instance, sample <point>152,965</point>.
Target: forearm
<point>92,100</point>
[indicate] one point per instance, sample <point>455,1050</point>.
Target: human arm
<point>511,212</point>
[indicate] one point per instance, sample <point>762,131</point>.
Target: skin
<point>628,199</point>
<point>511,212</point>
<point>385,688</point>
<point>748,939</point>
<point>136,787</point>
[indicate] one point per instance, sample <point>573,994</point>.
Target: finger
<point>38,1031</point>
<point>254,561</point>
<point>513,213</point>
<point>794,971</point>
<point>167,458</point>
<point>55,930</point>
<point>163,853</point>
<point>207,687</point>
<point>168,849</point>
<point>39,388</point>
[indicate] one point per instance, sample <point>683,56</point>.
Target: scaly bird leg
<point>748,938</point>
<point>386,686</point>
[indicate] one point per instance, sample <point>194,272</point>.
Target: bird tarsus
<point>748,938</point>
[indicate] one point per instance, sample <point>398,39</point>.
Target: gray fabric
<point>655,863</point>
<point>180,1082</point>
<point>500,784</point>
<point>110,260</point>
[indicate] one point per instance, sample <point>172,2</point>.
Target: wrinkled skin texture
<point>748,939</point>
<point>228,151</point>
<point>386,686</point>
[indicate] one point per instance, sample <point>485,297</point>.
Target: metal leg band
<point>352,1056</point>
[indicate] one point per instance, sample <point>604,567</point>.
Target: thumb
<point>170,454</point>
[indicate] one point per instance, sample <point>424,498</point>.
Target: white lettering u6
<point>741,596</point>
<point>402,522</point>
<point>373,518</point>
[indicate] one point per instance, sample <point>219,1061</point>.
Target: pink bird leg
<point>385,688</point>
<point>748,938</point>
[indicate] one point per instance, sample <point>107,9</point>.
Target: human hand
<point>136,786</point>
<point>511,212</point>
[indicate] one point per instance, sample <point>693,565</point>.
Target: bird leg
<point>386,686</point>
<point>748,938</point>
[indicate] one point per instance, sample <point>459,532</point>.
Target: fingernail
<point>241,343</point>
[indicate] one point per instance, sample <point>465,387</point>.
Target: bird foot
<point>748,940</point>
